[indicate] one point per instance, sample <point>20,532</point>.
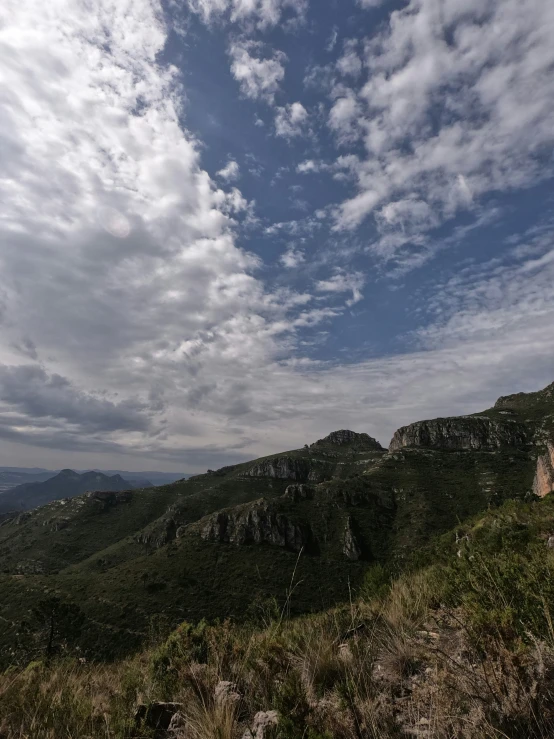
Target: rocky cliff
<point>256,524</point>
<point>351,545</point>
<point>300,469</point>
<point>281,468</point>
<point>543,483</point>
<point>466,432</point>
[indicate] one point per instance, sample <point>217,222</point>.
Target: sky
<point>229,227</point>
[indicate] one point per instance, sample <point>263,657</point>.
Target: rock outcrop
<point>543,483</point>
<point>350,438</point>
<point>466,432</point>
<point>351,547</point>
<point>299,492</point>
<point>256,524</point>
<point>282,468</point>
<point>299,469</point>
<point>103,500</point>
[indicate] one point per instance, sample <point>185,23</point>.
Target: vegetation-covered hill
<point>223,544</point>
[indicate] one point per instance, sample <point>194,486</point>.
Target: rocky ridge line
<point>464,433</point>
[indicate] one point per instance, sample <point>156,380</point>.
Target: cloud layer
<point>134,322</point>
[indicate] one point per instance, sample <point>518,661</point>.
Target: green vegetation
<point>440,555</point>
<point>460,648</point>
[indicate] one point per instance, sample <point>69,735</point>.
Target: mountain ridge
<point>212,545</point>
<point>66,484</point>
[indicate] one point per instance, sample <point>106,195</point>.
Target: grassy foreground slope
<point>460,646</point>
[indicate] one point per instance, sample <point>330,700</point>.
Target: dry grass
<point>400,666</point>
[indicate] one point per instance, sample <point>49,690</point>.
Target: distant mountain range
<point>66,484</point>
<point>10,477</point>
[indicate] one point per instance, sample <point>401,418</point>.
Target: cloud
<point>292,258</point>
<point>118,256</point>
<point>258,77</point>
<point>134,325</point>
<point>230,172</point>
<point>370,3</point>
<point>30,391</point>
<point>350,64</point>
<point>332,41</point>
<point>262,13</point>
<point>307,166</point>
<point>344,117</point>
<point>469,87</point>
<point>290,120</point>
<point>343,282</point>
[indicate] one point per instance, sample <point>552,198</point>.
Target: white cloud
<point>350,64</point>
<point>344,117</point>
<point>259,77</point>
<point>470,87</point>
<point>290,120</point>
<point>121,278</point>
<point>307,166</point>
<point>292,257</point>
<point>263,13</point>
<point>230,172</point>
<point>343,282</point>
<point>370,3</point>
<point>134,328</point>
<point>332,42</point>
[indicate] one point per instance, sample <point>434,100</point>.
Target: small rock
<point>550,542</point>
<point>226,692</point>
<point>177,726</point>
<point>262,720</point>
<point>157,715</point>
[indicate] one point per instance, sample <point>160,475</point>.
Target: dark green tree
<point>56,625</point>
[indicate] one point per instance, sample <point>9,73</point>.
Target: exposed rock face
<point>163,530</point>
<point>159,534</point>
<point>299,492</point>
<point>282,468</point>
<point>351,548</point>
<point>473,433</point>
<point>543,483</point>
<point>257,524</point>
<point>105,500</point>
<point>345,437</point>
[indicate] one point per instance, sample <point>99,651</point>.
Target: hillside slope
<point>224,543</point>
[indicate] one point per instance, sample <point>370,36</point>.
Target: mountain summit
<point>350,438</point>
